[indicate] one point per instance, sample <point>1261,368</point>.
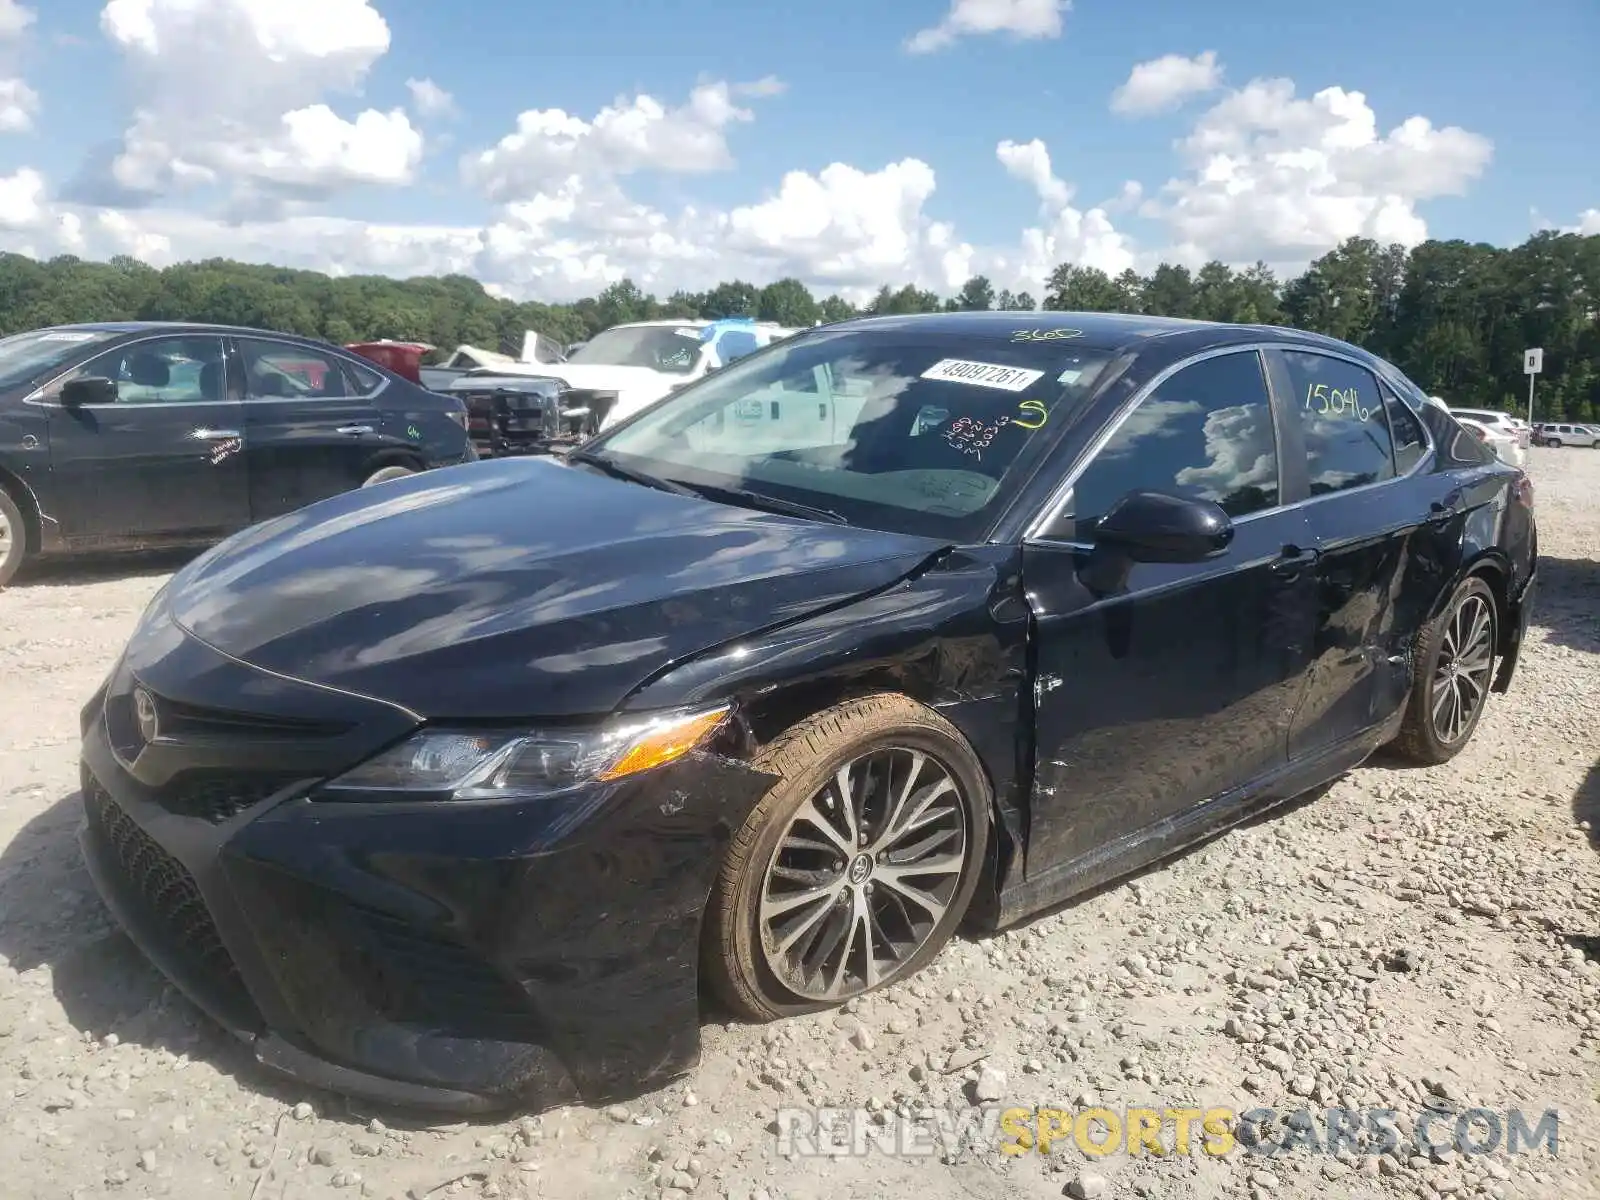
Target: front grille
<point>218,797</point>
<point>164,893</point>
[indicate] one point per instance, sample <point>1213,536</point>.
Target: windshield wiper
<point>789,508</point>
<point>617,471</point>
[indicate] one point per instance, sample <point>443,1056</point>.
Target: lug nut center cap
<point>860,868</point>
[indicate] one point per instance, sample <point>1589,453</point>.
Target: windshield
<point>916,433</point>
<point>673,349</point>
<point>25,357</point>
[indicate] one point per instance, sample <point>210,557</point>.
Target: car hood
<point>517,587</point>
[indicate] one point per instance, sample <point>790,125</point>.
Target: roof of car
<point>189,326</point>
<point>1101,330</point>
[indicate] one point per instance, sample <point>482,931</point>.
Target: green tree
<point>788,302</point>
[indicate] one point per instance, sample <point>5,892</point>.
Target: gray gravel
<point>1409,939</point>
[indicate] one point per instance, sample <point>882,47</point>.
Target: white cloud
<point>1020,18</point>
<point>1066,234</point>
<point>15,18</point>
<point>231,94</point>
<point>1164,83</point>
<point>254,145</point>
<point>19,103</point>
<point>1284,179</point>
<point>430,99</point>
<point>850,229</point>
<point>22,200</point>
<point>1588,221</point>
<point>626,136</point>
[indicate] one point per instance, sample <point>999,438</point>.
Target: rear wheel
<point>1553,442</point>
<point>1453,669</point>
<point>856,868</point>
<point>13,538</point>
<point>384,474</point>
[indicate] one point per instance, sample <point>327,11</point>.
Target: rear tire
<point>13,538</point>
<point>820,900</point>
<point>384,474</point>
<point>1451,674</point>
<point>1553,443</point>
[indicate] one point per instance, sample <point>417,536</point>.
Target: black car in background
<point>902,622</point>
<point>139,435</point>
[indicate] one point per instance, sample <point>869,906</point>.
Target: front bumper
<point>467,958</point>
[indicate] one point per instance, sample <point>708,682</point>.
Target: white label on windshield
<point>688,333</point>
<point>981,374</point>
<point>68,337</point>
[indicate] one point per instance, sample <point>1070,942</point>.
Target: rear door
<point>312,424</point>
<point>1366,508</point>
<point>165,461</point>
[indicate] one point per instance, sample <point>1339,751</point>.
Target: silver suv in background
<point>1565,434</point>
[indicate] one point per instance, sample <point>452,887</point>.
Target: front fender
<point>954,637</point>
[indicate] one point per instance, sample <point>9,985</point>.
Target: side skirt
<point>1170,837</point>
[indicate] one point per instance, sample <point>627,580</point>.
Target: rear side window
<point>363,380</point>
<point>285,371</point>
<point>1342,419</point>
<point>1410,441</point>
<point>1205,433</point>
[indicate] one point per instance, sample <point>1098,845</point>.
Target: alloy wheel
<point>5,536</point>
<point>863,874</point>
<point>1461,678</point>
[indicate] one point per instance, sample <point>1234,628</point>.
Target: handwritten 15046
<point>1336,402</point>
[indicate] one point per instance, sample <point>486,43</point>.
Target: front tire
<point>13,538</point>
<point>856,868</point>
<point>1451,674</point>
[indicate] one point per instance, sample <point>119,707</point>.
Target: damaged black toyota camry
<point>466,791</point>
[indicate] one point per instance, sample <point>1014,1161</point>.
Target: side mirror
<point>91,390</point>
<point>1155,527</point>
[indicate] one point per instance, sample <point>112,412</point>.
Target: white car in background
<point>628,367</point>
<point>1520,431</point>
<point>1505,445</point>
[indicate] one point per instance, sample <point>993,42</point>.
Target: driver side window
<point>1206,433</point>
<point>179,370</point>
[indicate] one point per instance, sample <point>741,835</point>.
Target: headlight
<point>464,764</point>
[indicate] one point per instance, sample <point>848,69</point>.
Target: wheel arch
<point>394,456</point>
<point>943,638</point>
<point>32,519</point>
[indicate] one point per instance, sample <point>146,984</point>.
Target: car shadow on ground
<point>1567,606</point>
<point>100,568</point>
<point>53,923</point>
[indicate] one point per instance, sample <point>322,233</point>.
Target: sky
<point>550,149</point>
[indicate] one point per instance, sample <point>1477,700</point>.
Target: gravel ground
<point>1408,939</point>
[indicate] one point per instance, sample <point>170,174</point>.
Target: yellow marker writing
<point>1032,406</point>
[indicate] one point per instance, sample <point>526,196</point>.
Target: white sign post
<point>1532,364</point>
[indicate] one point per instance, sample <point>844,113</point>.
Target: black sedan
<point>137,435</point>
<point>464,792</point>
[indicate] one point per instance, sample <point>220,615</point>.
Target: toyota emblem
<point>144,712</point>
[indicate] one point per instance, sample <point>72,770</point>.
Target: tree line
<point>1454,315</point>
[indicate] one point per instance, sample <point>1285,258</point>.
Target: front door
<point>1162,690</point>
<point>312,426</point>
<point>162,463</point>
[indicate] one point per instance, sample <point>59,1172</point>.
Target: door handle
<point>354,430</point>
<point>1439,512</point>
<point>215,435</point>
<point>1293,561</point>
